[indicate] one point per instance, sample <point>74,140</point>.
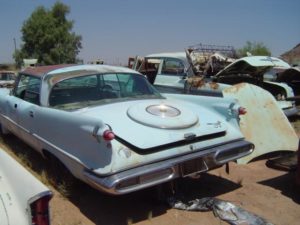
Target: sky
<point>113,30</point>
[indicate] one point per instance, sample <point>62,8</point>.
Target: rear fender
<point>72,137</point>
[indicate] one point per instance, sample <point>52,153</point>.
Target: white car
<point>176,73</point>
<point>115,131</point>
<point>23,198</point>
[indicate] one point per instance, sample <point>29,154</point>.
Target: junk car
<point>178,73</point>
<point>7,78</point>
<point>24,199</point>
<point>290,76</point>
<point>113,130</point>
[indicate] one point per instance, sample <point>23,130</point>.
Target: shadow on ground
<point>286,184</point>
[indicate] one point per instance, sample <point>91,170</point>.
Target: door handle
<point>30,113</point>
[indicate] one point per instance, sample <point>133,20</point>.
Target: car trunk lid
<point>148,124</point>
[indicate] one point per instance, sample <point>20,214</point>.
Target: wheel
<point>59,173</point>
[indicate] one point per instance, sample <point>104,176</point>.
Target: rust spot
<point>196,81</point>
<point>41,70</point>
<point>235,88</point>
<point>213,85</point>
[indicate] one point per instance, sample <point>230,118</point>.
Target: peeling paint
<point>265,124</point>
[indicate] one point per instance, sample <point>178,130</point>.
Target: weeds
<point>24,159</point>
<point>64,189</point>
<point>51,173</point>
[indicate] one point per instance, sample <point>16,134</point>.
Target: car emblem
<point>217,124</point>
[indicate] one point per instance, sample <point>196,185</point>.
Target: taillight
<point>108,135</point>
<point>40,211</point>
<point>242,111</point>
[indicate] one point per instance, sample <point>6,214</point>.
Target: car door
<point>22,105</point>
<point>171,75</point>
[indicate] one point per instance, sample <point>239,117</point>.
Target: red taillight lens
<point>108,135</point>
<point>40,211</point>
<point>242,111</point>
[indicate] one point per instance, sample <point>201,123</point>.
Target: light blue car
<point>115,131</point>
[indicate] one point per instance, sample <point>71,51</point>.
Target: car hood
<point>254,66</point>
<point>147,124</point>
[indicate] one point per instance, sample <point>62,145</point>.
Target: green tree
<point>254,48</point>
<point>47,36</point>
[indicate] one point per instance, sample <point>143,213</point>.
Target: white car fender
<point>19,189</point>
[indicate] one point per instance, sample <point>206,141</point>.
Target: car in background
<point>178,73</point>
<point>290,76</point>
<point>113,130</point>
<point>24,199</point>
<point>7,78</point>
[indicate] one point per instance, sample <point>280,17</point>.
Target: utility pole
<point>15,51</point>
<point>15,45</point>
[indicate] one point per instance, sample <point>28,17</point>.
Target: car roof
<point>41,70</point>
<point>63,68</point>
<point>178,55</point>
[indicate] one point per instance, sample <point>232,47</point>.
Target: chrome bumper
<point>159,172</point>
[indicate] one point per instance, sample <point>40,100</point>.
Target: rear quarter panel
<point>70,138</point>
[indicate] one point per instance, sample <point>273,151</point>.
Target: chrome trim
<point>34,198</point>
<point>109,184</point>
<point>163,110</point>
<point>40,195</point>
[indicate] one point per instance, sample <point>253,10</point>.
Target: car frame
<point>113,130</point>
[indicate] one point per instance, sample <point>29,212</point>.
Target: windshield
<point>97,89</point>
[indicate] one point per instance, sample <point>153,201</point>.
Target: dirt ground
<point>269,193</point>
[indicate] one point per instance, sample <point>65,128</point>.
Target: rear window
<point>89,90</point>
<point>28,88</point>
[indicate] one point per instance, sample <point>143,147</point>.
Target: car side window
<point>28,89</point>
<point>172,67</point>
<point>111,81</point>
<point>6,76</point>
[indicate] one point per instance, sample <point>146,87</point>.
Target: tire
<point>58,171</point>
